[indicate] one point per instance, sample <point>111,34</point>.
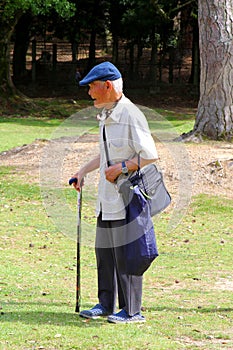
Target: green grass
<point>50,118</point>
<point>40,122</point>
<point>16,132</point>
<point>187,297</point>
<point>182,121</point>
<point>174,123</point>
<point>187,294</point>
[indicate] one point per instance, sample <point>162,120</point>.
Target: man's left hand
<point>113,172</point>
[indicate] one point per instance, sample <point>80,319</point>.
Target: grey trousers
<point>112,280</point>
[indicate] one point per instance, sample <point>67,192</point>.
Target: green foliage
<point>141,16</point>
<point>63,7</point>
<point>89,14</point>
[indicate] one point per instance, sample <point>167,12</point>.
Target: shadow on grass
<point>40,317</point>
<point>24,313</point>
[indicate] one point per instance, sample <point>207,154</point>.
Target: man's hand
<point>113,172</point>
<point>79,183</point>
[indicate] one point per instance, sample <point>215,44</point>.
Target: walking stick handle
<point>73,180</point>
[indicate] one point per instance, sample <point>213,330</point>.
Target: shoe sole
<point>125,322</point>
<point>92,317</point>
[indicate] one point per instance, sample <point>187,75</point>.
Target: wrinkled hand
<point>113,172</point>
<point>79,183</point>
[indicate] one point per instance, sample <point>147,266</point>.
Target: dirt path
<point>210,164</point>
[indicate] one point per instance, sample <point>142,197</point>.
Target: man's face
<point>98,90</point>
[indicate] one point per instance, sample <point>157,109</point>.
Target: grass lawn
<point>47,115</point>
<point>40,123</point>
<point>187,298</point>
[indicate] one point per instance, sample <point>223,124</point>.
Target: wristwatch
<point>124,169</point>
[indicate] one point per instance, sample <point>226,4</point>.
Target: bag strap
<point>138,169</point>
<point>107,153</point>
<point>139,174</point>
<point>106,147</point>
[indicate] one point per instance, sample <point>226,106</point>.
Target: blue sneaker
<point>97,311</point>
<point>123,317</point>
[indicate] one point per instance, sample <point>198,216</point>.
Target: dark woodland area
<point>153,49</point>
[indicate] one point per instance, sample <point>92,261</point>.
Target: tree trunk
<point>153,59</point>
<point>116,12</point>
<point>214,117</point>
<point>131,61</point>
<point>6,29</point>
<point>195,71</point>
<point>74,49</point>
<point>115,44</point>
<point>92,47</point>
<point>138,74</point>
<point>21,46</point>
<point>6,84</point>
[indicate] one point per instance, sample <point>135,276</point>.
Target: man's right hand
<point>78,183</point>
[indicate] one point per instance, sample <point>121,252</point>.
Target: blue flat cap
<point>103,72</point>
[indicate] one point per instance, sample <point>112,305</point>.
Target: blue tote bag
<point>141,248</point>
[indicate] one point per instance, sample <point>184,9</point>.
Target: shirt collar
<point>112,113</point>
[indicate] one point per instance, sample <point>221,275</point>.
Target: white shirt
<point>127,134</point>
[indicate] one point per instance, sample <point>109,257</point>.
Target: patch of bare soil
<point>209,165</point>
<point>210,341</point>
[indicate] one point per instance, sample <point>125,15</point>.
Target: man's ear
<point>108,84</point>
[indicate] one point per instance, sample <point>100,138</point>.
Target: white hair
<point>117,85</point>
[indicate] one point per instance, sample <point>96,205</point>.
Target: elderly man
<point>127,136</point>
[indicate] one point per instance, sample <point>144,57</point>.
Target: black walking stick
<point>79,216</point>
